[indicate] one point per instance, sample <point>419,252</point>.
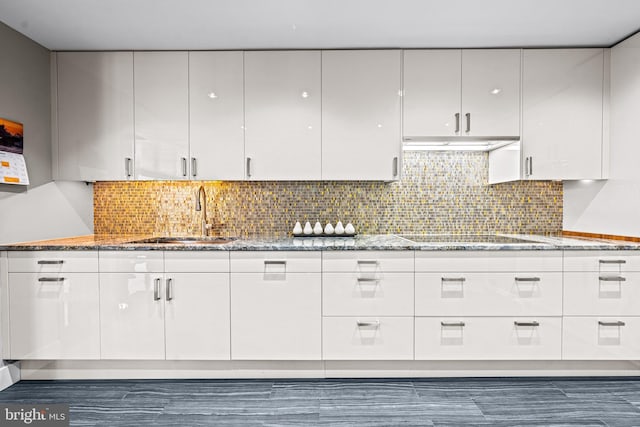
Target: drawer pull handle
<point>367,262</point>
<point>458,324</point>
<point>169,295</point>
<point>51,279</point>
<point>612,279</point>
<point>375,324</point>
<point>274,262</point>
<point>367,279</point>
<point>156,289</point>
<point>534,323</point>
<point>527,279</point>
<point>618,323</point>
<point>613,261</point>
<point>453,279</point>
<point>45,262</point>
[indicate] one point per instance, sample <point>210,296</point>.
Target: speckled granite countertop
<point>361,242</point>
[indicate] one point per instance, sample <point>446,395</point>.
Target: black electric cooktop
<point>462,238</point>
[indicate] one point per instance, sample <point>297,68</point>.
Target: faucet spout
<point>201,205</point>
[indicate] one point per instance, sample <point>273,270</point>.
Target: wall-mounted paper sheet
<point>13,169</point>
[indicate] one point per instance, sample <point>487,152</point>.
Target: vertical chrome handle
<point>156,289</point>
<point>169,294</point>
<point>184,166</point>
<point>194,167</point>
<point>457,115</point>
<point>248,167</point>
<point>127,166</point>
<point>468,116</point>
<point>395,166</point>
<point>526,166</point>
<point>530,165</point>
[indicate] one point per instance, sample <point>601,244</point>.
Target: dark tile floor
<point>458,402</point>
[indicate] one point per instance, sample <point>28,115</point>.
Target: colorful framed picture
<point>11,136</point>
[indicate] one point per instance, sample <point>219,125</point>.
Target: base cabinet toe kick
<point>321,313</point>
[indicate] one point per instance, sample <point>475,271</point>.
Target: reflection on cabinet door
<point>601,338</point>
<point>132,316</point>
<point>216,115</point>
<point>161,92</point>
<point>601,294</point>
<point>197,316</point>
<point>54,316</point>
<point>276,316</point>
<point>95,116</point>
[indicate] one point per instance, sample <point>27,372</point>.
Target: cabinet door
<point>54,316</point>
<point>216,115</point>
<point>276,315</point>
<point>431,102</point>
<point>95,115</point>
<point>490,92</point>
<point>131,316</point>
<point>562,113</point>
<point>197,316</point>
<point>161,92</point>
<point>361,115</point>
<point>282,112</point>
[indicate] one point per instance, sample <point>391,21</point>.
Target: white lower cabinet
<point>489,294</point>
<point>132,316</point>
<point>601,338</point>
<point>488,338</point>
<point>367,338</point>
<point>54,316</point>
<point>276,316</point>
<point>601,294</point>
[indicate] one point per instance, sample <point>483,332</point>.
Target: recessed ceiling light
<point>496,91</point>
<point>212,95</point>
<point>305,94</point>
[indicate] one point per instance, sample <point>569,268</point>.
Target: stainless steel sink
<point>214,240</point>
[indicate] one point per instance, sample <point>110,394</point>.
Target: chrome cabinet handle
<point>534,323</point>
<point>367,262</point>
<point>453,279</point>
<point>612,261</point>
<point>375,324</point>
<point>127,166</point>
<point>169,293</point>
<point>47,262</point>
<point>184,166</point>
<point>194,167</point>
<point>274,262</point>
<point>618,323</point>
<point>248,167</point>
<point>530,165</point>
<point>457,115</point>
<point>156,289</point>
<point>527,161</point>
<point>458,324</point>
<point>612,279</point>
<point>395,166</point>
<point>367,279</point>
<point>527,279</point>
<point>51,279</point>
<point>468,116</point>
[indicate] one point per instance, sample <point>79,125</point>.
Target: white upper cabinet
<point>361,114</point>
<point>95,116</point>
<point>161,82</point>
<point>282,115</point>
<point>563,115</point>
<point>216,115</point>
<point>472,93</point>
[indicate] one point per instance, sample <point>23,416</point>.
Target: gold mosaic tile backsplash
<point>440,192</point>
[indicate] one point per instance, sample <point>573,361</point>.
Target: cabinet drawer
<point>53,262</point>
<point>370,338</point>
<point>488,338</point>
<point>56,319</point>
<point>601,338</point>
<point>350,294</point>
<point>131,261</point>
<point>489,294</point>
<point>367,261</point>
<point>489,261</point>
<point>276,317</point>
<point>276,262</point>
<point>602,261</point>
<point>601,294</point>
<point>196,262</point>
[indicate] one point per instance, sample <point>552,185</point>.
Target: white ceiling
<point>294,24</point>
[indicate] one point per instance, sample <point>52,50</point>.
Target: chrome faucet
<point>202,206</point>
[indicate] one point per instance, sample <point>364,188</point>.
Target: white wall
<point>613,206</point>
<point>45,209</point>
